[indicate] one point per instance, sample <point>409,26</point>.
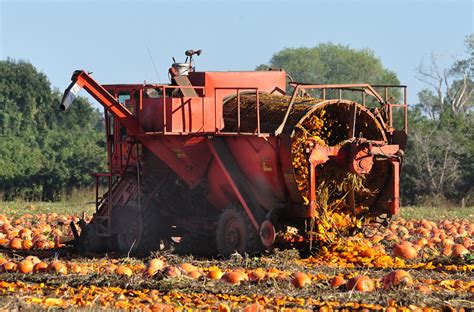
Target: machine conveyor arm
<point>161,149</point>
<point>81,79</point>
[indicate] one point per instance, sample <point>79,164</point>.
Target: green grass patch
<point>85,202</point>
<point>17,208</point>
<point>77,202</point>
<point>437,213</point>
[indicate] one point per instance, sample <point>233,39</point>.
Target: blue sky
<point>111,38</point>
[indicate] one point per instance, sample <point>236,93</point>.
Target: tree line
<point>45,153</point>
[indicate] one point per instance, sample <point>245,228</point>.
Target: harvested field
<point>412,264</point>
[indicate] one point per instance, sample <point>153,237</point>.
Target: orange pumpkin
<point>397,278</point>
<point>40,244</point>
<point>423,289</point>
<point>157,264</point>
<point>25,233</point>
<point>257,275</point>
<point>58,267</point>
<point>337,281</point>
<point>10,266</point>
<point>27,244</point>
<point>361,283</point>
<point>75,268</point>
<point>187,267</point>
<point>33,259</point>
<point>172,271</point>
<point>15,243</point>
<point>108,268</point>
<point>84,271</point>
<point>215,274</point>
<point>151,271</point>
<point>447,250</point>
<point>459,250</point>
<point>300,280</point>
<point>25,266</point>
<point>283,276</point>
<point>40,267</point>
<point>194,274</point>
<point>234,277</point>
<point>405,250</point>
<point>123,270</point>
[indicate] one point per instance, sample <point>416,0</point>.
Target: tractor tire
<point>127,226</point>
<point>90,242</point>
<point>155,229</point>
<point>136,229</point>
<point>236,233</point>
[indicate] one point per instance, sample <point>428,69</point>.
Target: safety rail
<point>365,89</point>
<point>238,93</point>
<point>138,105</point>
<point>404,104</point>
<point>105,199</point>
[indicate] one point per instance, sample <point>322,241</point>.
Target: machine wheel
<point>127,224</point>
<point>236,233</point>
<point>156,236</point>
<point>137,229</point>
<point>90,242</point>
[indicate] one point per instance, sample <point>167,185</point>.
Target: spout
<point>71,92</point>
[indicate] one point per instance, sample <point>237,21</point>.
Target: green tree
<point>439,162</point>
<point>329,63</point>
<point>44,152</point>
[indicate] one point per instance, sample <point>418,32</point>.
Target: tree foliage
<point>440,158</point>
<point>44,151</point>
<point>329,63</point>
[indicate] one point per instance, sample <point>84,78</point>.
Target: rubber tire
<point>90,242</point>
<point>127,225</point>
<point>148,236</point>
<point>236,233</point>
<point>153,229</point>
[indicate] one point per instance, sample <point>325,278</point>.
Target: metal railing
<point>364,89</point>
<point>238,94</point>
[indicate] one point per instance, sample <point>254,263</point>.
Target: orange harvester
<point>210,155</point>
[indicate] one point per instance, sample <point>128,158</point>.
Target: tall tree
<point>451,88</point>
<point>329,63</point>
<point>43,151</point>
<point>440,153</point>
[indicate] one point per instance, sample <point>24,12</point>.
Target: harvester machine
<point>230,162</point>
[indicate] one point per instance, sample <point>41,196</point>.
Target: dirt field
<point>411,265</point>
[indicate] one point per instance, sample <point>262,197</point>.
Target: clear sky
<point>111,38</point>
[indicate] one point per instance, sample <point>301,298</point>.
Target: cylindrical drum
<point>311,122</point>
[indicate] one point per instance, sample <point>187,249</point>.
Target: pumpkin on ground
<point>361,283</point>
<point>397,278</point>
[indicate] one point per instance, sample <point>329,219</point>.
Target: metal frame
<point>363,88</point>
<point>238,91</point>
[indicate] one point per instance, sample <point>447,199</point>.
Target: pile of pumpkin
<point>236,276</point>
<point>428,239</point>
<point>404,244</point>
<point>175,300</point>
<point>40,231</point>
